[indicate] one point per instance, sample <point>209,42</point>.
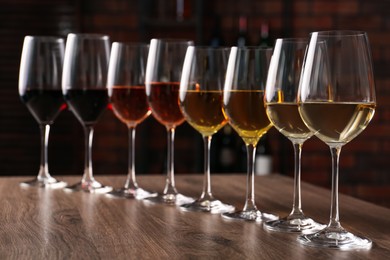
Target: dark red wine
<point>45,105</point>
<point>87,104</point>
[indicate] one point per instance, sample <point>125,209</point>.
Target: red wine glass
<point>84,81</point>
<point>40,90</point>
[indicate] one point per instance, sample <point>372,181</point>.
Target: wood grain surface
<point>54,224</point>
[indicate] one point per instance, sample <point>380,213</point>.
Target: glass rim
<point>89,36</point>
<point>46,38</point>
<point>173,40</point>
<point>293,39</point>
<point>206,47</point>
<point>338,33</point>
<point>131,44</point>
<point>254,47</point>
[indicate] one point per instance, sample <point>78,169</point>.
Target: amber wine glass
<point>40,90</point>
<point>84,81</point>
<point>162,82</point>
<point>243,100</point>
<point>282,110</point>
<point>126,89</point>
<point>201,91</point>
<point>336,100</point>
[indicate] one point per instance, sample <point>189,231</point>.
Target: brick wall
<point>364,162</point>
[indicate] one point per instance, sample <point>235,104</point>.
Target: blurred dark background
<point>364,162</point>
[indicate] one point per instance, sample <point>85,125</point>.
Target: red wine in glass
<point>87,104</point>
<point>40,90</point>
<point>44,104</point>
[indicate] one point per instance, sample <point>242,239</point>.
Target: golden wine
<point>286,119</point>
<point>336,122</point>
<point>246,112</point>
<point>203,111</point>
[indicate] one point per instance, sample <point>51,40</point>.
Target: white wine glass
<point>40,90</point>
<point>243,100</point>
<point>282,110</point>
<point>126,89</point>
<point>162,82</point>
<point>84,80</point>
<point>201,91</point>
<point>337,101</point>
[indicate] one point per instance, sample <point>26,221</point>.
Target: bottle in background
<point>242,37</point>
<point>216,39</point>
<point>263,163</point>
<point>265,39</point>
<point>225,151</point>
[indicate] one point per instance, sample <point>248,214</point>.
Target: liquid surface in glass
<point>246,112</point>
<point>203,110</point>
<point>129,104</point>
<point>286,119</point>
<point>336,122</point>
<point>44,104</point>
<point>164,102</point>
<point>87,104</point>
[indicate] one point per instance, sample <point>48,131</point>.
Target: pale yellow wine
<point>285,117</point>
<point>246,112</point>
<point>203,110</point>
<point>336,122</point>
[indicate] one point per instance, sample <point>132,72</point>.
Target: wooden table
<point>53,224</point>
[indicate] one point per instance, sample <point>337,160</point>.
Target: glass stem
<point>170,180</point>
<point>131,181</point>
<point>297,205</point>
<point>334,209</point>
<point>44,168</point>
<point>250,181</point>
<point>206,194</point>
<point>88,176</point>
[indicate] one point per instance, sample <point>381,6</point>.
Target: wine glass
<point>201,91</point>
<point>40,90</point>
<point>243,100</point>
<point>84,80</point>
<point>126,89</point>
<point>282,110</point>
<point>336,100</point>
<point>162,81</point>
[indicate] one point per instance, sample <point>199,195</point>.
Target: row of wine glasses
<point>51,74</point>
<point>330,93</point>
<point>322,86</point>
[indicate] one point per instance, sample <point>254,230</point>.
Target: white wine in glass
<point>337,101</point>
<point>243,100</point>
<point>201,91</point>
<point>282,109</point>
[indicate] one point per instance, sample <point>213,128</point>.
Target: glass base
<point>250,215</point>
<point>170,199</point>
<point>212,206</point>
<point>295,224</point>
<point>44,183</point>
<point>131,193</point>
<point>91,187</point>
<point>336,239</point>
